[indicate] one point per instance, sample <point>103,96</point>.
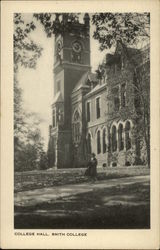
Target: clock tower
<point>71,62</point>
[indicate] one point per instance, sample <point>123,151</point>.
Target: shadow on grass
<point>118,207</point>
<point>113,218</point>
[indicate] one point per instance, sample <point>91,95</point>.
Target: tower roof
<point>58,98</point>
<point>81,83</point>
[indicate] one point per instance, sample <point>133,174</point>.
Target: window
<point>137,100</point>
<point>116,103</point>
<point>98,111</point>
<point>76,116</point>
<point>89,145</point>
<point>123,95</point>
<point>114,139</point>
<point>108,109</point>
<point>76,57</point>
<point>120,63</point>
<point>58,86</point>
<point>76,127</point>
<point>104,141</point>
<point>88,111</point>
<point>77,132</point>
<point>60,115</point>
<point>115,93</point>
<point>120,137</point>
<point>54,118</point>
<point>58,50</point>
<point>98,142</point>
<point>127,135</point>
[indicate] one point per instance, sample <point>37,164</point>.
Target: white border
<point>96,239</point>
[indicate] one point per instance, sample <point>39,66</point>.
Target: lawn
<point>31,180</point>
<point>122,206</point>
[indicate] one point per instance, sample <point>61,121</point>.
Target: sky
<point>37,84</point>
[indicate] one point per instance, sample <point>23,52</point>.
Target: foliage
<point>142,90</point>
<point>100,72</point>
<point>18,111</point>
<point>28,143</point>
<point>26,52</point>
<point>51,152</point>
<point>43,164</point>
<point>130,28</point>
<point>56,23</point>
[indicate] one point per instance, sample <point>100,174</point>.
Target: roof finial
<point>86,19</point>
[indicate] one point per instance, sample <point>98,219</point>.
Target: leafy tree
<point>133,30</point>
<point>57,23</point>
<point>142,102</point>
<point>129,28</point>
<point>43,164</point>
<point>26,52</point>
<point>28,143</point>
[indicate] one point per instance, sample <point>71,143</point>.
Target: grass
<point>117,207</point>
<point>39,179</point>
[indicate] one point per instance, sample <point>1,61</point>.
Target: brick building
<point>101,112</point>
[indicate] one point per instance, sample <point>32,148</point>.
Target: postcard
<point>80,124</point>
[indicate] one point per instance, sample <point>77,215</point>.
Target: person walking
<point>93,167</point>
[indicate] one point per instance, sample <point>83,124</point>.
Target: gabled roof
<point>58,98</point>
<point>92,77</point>
<point>96,89</point>
<point>122,47</point>
<point>133,54</point>
<point>83,81</point>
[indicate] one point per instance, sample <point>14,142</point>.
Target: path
<point>98,205</point>
<point>33,197</point>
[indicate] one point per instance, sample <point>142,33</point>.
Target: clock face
<point>77,47</point>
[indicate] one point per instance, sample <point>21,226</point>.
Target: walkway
<point>98,205</point>
<point>33,197</point>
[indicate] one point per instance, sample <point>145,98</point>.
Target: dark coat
<point>92,168</point>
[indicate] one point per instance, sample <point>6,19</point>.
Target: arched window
<point>54,118</point>
<point>123,95</point>
<point>116,103</point>
<point>88,111</point>
<point>115,92</point>
<point>89,145</point>
<point>98,108</point>
<point>76,127</point>
<point>98,142</point>
<point>114,139</point>
<point>104,140</point>
<point>60,115</point>
<point>127,135</point>
<point>76,116</point>
<point>120,137</point>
